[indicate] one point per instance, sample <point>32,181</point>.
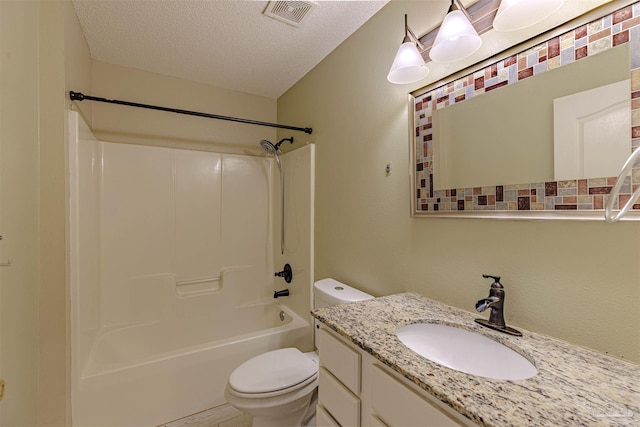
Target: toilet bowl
<point>276,387</point>
<point>279,388</point>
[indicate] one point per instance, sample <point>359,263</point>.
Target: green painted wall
<point>578,281</point>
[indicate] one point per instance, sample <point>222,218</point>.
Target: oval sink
<point>465,351</point>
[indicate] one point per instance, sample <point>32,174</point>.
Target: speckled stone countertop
<point>575,386</point>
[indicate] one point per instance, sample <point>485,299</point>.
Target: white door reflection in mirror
<point>591,132</point>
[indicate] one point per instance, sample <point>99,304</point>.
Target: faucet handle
<point>495,301</point>
<point>496,280</point>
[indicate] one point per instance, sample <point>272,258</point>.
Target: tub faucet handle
<point>286,274</point>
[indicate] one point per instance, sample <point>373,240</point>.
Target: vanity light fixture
<point>456,39</point>
<point>515,15</point>
<point>408,65</point>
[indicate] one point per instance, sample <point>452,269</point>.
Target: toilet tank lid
<point>338,293</point>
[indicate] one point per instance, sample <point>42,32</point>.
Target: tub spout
<point>282,293</point>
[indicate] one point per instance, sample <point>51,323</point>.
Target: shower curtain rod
<point>79,96</point>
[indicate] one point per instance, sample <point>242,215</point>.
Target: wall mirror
<point>540,132</point>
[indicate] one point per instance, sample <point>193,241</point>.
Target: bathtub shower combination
<point>172,264</point>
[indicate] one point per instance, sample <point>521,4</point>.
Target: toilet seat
<point>273,373</point>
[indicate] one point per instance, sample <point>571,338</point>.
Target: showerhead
<point>268,147</point>
<point>274,149</point>
<point>271,149</point>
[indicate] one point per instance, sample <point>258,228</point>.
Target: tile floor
<point>220,416</point>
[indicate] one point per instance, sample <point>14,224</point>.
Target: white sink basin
<point>465,351</point>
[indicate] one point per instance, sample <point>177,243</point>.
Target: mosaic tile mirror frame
<point>565,199</point>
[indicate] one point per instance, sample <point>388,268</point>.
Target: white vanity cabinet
<point>356,390</point>
<point>339,385</point>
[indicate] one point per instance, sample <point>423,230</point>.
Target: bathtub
<point>136,377</point>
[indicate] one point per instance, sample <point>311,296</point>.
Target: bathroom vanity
<point>369,378</point>
<point>353,384</point>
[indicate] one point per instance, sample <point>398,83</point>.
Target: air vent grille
<point>291,12</point>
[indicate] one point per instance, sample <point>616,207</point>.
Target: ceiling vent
<point>290,12</point>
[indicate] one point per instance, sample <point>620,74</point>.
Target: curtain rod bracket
<point>79,96</point>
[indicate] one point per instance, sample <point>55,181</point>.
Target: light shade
<point>408,65</point>
<point>456,39</point>
<point>517,14</point>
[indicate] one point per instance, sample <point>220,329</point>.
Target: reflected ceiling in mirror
<point>546,196</point>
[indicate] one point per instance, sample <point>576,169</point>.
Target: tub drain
<point>282,315</point>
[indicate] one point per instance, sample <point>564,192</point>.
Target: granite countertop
<point>574,385</point>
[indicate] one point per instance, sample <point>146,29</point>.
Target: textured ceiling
<point>225,43</point>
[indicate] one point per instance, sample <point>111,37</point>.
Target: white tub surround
<point>172,276</point>
<point>574,386</point>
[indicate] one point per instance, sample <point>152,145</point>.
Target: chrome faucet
<point>495,301</point>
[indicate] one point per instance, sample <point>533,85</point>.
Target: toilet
<point>279,388</point>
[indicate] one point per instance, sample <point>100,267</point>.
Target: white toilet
<point>279,388</point>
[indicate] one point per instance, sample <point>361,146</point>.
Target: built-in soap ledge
<point>211,284</point>
<point>199,286</point>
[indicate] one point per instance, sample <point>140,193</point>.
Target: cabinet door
<point>323,419</point>
<point>339,402</point>
<point>375,422</point>
<point>399,406</point>
<point>340,359</point>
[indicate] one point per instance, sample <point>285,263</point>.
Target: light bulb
<point>456,39</point>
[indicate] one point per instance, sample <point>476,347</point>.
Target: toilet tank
<point>328,292</point>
